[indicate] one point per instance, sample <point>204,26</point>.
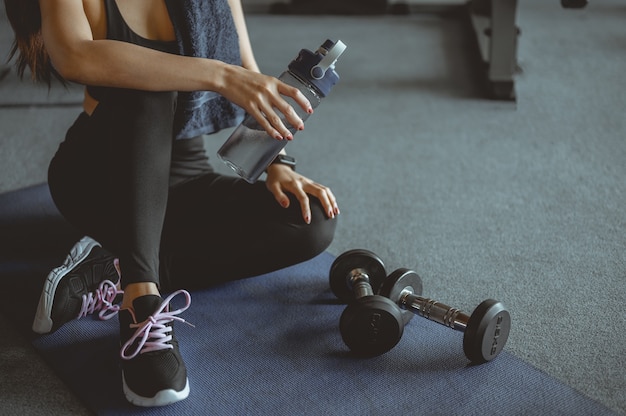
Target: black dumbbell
<point>371,324</point>
<point>486,330</point>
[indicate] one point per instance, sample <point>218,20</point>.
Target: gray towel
<point>205,28</point>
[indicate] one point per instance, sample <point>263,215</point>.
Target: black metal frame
<point>496,33</point>
<point>491,21</point>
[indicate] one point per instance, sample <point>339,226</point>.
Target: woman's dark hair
<point>28,47</point>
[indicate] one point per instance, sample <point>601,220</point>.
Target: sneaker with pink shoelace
<point>84,284</point>
<point>153,371</point>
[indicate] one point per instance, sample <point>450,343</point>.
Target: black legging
<point>111,179</point>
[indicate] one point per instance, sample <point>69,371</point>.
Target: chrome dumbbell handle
<point>360,283</point>
<point>433,310</point>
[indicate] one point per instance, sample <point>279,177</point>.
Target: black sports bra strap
<point>118,29</point>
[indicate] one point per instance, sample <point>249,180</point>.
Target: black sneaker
<point>85,283</point>
<point>153,371</point>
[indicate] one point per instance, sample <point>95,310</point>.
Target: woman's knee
<point>146,100</point>
<point>141,112</point>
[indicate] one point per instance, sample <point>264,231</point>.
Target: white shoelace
<point>102,301</point>
<point>154,334</point>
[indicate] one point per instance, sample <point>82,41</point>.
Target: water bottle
<point>250,150</point>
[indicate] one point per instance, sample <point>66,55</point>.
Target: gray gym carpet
<point>519,202</point>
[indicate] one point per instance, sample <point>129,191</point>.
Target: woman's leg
<point>110,178</point>
<point>220,228</point>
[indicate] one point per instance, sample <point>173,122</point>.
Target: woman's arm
<point>79,58</point>
<point>247,56</point>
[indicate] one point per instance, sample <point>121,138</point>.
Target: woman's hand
<point>262,97</point>
<point>281,179</point>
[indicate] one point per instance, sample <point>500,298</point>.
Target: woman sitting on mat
<point>132,173</point>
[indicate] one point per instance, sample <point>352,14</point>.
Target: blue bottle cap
<point>318,68</point>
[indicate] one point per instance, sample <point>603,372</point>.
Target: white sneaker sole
<point>162,398</point>
<point>42,324</point>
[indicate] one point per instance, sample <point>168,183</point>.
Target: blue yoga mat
<point>271,346</point>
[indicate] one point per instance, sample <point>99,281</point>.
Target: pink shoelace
<point>154,333</point>
<point>102,301</point>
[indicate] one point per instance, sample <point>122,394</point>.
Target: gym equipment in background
<point>491,24</point>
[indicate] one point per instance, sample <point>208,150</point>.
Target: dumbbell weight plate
<point>346,263</point>
<point>371,326</point>
<point>396,283</point>
<point>487,331</point>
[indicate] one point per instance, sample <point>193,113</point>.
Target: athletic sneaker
<point>84,284</point>
<point>153,371</point>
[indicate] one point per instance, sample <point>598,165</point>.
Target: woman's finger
<point>325,196</point>
<point>279,195</point>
